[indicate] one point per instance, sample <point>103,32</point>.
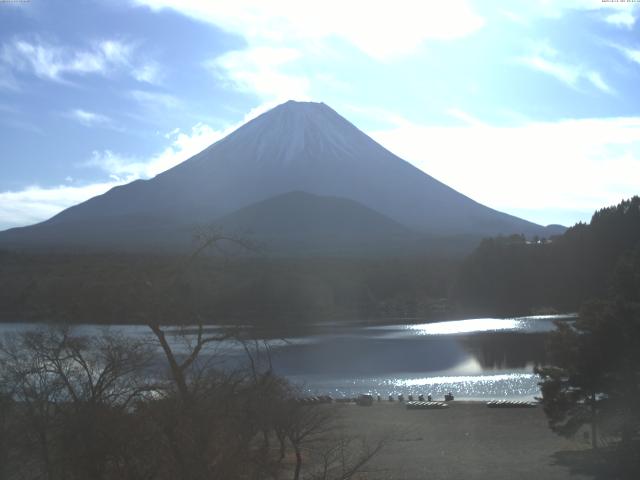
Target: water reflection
<point>475,359</point>
<point>501,350</point>
<point>532,324</point>
<point>467,326</point>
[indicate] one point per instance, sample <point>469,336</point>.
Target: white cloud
<point>570,164</point>
<point>597,81</point>
<point>155,99</point>
<point>56,62</point>
<point>115,52</point>
<point>545,59</point>
<point>53,62</point>
<point>632,54</point>
<point>564,73</point>
<point>182,147</point>
<point>258,70</point>
<point>380,115</point>
<point>556,9</point>
<point>464,117</point>
<point>623,19</point>
<point>149,72</point>
<point>35,204</point>
<point>380,29</point>
<point>514,17</point>
<point>282,34</point>
<point>88,119</point>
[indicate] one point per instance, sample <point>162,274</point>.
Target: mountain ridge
<point>297,146</point>
<point>300,222</point>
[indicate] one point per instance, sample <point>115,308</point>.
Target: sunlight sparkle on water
<point>416,382</point>
<point>467,326</point>
<point>513,385</point>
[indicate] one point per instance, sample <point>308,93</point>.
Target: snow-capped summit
<point>293,132</point>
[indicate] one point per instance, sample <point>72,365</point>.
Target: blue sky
<point>530,107</point>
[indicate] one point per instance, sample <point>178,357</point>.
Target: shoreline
<point>303,328</point>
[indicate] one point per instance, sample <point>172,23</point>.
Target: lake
<point>475,359</point>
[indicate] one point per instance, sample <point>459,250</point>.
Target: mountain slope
<point>299,222</point>
<point>294,147</point>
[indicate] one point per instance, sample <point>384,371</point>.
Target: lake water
<point>476,359</point>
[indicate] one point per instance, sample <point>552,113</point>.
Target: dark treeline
<point>125,288</point>
<point>513,275</point>
<point>503,276</point>
<point>591,381</point>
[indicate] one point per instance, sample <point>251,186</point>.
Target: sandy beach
<point>465,441</point>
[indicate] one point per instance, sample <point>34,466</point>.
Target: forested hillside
<point>513,275</point>
<point>503,276</point>
<point>263,291</point>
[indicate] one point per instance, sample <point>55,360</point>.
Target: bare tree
<point>6,431</point>
<point>307,424</point>
<point>345,457</point>
<point>98,407</point>
<point>27,380</point>
<point>179,367</point>
<point>72,394</point>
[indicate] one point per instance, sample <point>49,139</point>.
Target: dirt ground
<point>466,441</point>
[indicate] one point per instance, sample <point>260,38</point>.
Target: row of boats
<point>366,400</point>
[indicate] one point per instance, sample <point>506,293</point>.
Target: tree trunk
<point>594,419</point>
<point>176,371</point>
<point>296,474</point>
<point>44,445</point>
<point>281,441</point>
<point>628,428</point>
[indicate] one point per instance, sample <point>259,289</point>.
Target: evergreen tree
<point>593,377</point>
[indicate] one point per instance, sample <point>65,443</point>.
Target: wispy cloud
<point>260,71</point>
<point>7,79</point>
<point>632,54</point>
<point>155,99</point>
<point>464,117</point>
<point>54,62</point>
<point>603,8</point>
<point>13,121</point>
<point>88,119</point>
<point>597,81</point>
<point>514,17</point>
<point>58,62</point>
<point>546,59</point>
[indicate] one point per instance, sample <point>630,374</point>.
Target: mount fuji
<point>299,164</point>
